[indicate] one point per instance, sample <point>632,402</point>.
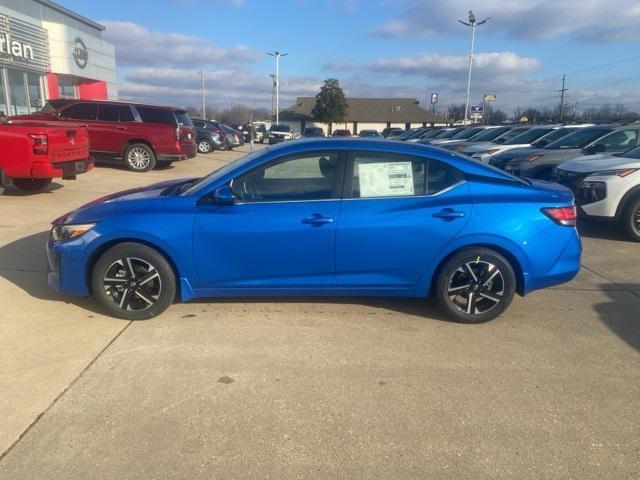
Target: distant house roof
<point>369,110</point>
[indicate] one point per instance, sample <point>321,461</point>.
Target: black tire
<point>205,146</point>
<point>472,274</point>
<point>631,219</point>
<point>32,184</point>
<point>139,157</point>
<point>143,294</point>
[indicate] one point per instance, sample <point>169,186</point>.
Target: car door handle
<point>448,214</point>
<point>316,219</point>
<point>122,128</point>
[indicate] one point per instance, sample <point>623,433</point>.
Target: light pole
<point>473,24</point>
<point>273,94</point>
<point>204,115</point>
<point>277,55</point>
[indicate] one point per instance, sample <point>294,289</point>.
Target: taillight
<point>40,143</point>
<point>562,215</point>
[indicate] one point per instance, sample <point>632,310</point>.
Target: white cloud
<point>596,20</point>
<point>138,46</point>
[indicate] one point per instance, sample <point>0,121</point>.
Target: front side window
<point>126,115</point>
<point>304,177</point>
<point>620,139</point>
<point>389,175</point>
<point>80,111</point>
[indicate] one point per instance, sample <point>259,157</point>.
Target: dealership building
<point>46,52</point>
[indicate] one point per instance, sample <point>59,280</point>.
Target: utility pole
<point>473,24</point>
<point>562,90</point>
<point>277,56</point>
<point>204,113</point>
<point>273,95</point>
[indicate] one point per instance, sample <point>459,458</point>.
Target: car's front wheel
<point>140,157</point>
<point>475,285</point>
<point>133,281</point>
<point>32,184</point>
<point>631,219</point>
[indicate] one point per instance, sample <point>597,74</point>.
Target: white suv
<point>606,187</point>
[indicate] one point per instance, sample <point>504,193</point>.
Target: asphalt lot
<point>344,388</point>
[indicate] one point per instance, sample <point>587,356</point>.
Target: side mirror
<point>224,195</point>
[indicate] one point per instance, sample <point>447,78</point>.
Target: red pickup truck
<point>32,153</point>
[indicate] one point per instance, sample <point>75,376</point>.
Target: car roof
<point>63,102</point>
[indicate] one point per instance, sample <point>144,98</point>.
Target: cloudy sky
<point>377,48</point>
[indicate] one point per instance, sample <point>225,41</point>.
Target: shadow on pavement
<point>23,263</point>
<point>12,191</point>
<point>603,231</point>
<point>622,317</point>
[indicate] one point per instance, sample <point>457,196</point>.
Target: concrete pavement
<point>346,388</point>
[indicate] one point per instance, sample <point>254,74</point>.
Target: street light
<point>277,55</point>
<point>473,24</point>
<point>273,94</point>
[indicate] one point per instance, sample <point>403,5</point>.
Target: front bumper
<point>66,267</point>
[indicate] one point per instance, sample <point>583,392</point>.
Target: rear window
<point>156,115</point>
<point>183,118</point>
<point>579,139</point>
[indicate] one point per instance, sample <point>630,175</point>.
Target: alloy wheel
<point>139,158</point>
<point>636,220</point>
<point>132,284</point>
<point>476,287</point>
<point>204,146</point>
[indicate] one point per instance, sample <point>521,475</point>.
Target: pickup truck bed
<point>32,153</point>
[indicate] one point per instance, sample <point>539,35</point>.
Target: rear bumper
<point>562,269</point>
<point>66,170</point>
<point>177,158</point>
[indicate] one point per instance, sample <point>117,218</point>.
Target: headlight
<point>60,233</point>
<point>621,173</point>
<point>491,152</point>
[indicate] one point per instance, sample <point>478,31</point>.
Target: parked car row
<point>599,163</point>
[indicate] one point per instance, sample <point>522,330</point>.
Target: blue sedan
<point>326,217</point>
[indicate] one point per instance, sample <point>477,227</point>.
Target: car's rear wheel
<point>32,184</point>
<point>205,146</point>
<point>631,219</point>
<point>140,157</point>
<point>133,281</point>
<point>475,285</point>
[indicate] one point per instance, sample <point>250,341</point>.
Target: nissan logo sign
<point>80,53</point>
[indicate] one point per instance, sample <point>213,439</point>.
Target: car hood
<point>480,146</point>
<point>599,163</point>
<point>145,197</point>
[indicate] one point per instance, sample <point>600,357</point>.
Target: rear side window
<point>156,115</point>
<point>183,118</point>
<point>126,115</point>
<point>108,112</point>
<point>80,111</point>
<point>378,175</point>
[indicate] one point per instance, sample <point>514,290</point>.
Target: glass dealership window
<point>67,87</point>
<point>17,92</point>
<point>26,92</point>
<point>3,100</point>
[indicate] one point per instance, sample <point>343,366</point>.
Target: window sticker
<point>392,179</point>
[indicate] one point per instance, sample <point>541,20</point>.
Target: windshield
<point>553,136</point>
<point>633,153</point>
<point>280,128</point>
<point>449,133</point>
<point>216,174</point>
<point>578,139</point>
<point>467,133</point>
<point>490,134</point>
<point>528,136</point>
